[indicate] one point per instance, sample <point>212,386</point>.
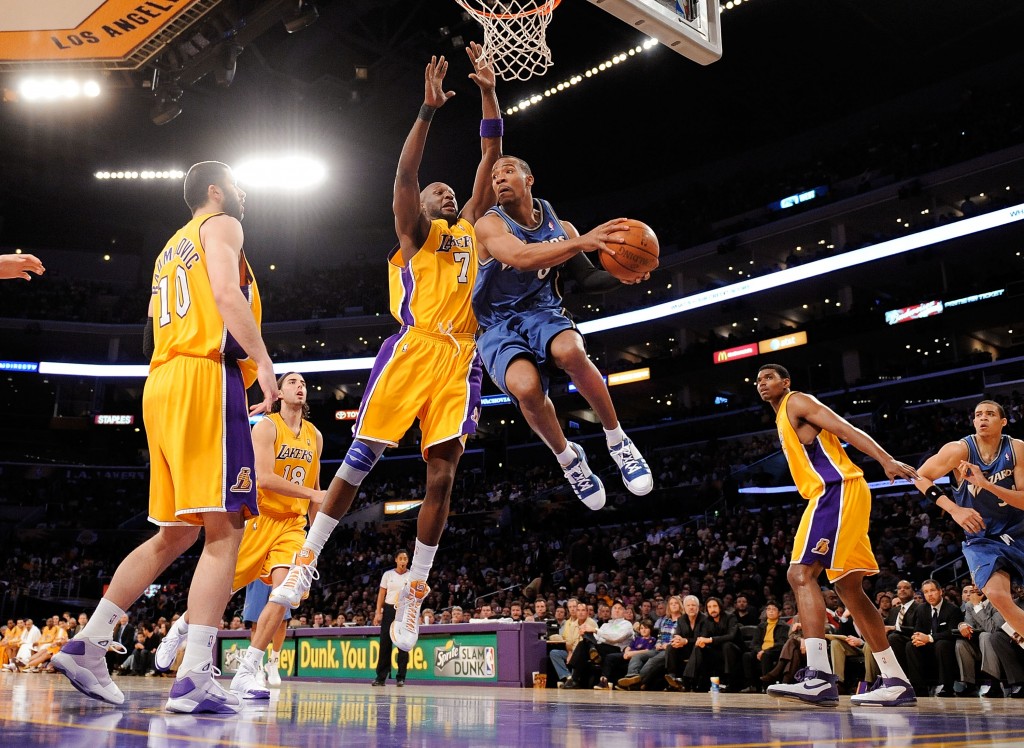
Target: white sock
<point>320,532</point>
<point>566,456</point>
<point>817,655</point>
<point>614,436</point>
<point>422,560</point>
<point>101,623</point>
<point>179,627</point>
<point>254,657</point>
<point>198,648</point>
<point>889,665</point>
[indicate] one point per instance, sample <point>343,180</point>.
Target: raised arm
<point>410,223</point>
<point>491,130</point>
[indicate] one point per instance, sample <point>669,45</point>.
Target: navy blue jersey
<point>501,291</point>
<point>1000,518</point>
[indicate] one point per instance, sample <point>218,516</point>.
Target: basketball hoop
<point>514,34</point>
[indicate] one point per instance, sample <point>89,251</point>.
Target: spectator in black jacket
<point>716,650</point>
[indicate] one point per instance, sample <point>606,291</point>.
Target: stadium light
<point>293,173</point>
<point>50,88</point>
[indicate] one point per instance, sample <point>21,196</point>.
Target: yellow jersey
<point>296,460</point>
<point>434,291</point>
<point>186,321</point>
<point>813,466</point>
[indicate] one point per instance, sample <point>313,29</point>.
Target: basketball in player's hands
<point>636,256</point>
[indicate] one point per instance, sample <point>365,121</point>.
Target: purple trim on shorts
<point>473,381</point>
<point>384,356</point>
<point>408,286</point>
<point>824,526</point>
<point>239,458</point>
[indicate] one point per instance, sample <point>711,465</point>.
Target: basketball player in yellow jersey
<point>833,535</point>
<point>206,351</point>
<point>288,449</point>
<point>430,369</point>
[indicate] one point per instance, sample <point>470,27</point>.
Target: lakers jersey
<point>186,321</point>
<point>817,465</point>
<point>434,289</point>
<point>502,291</point>
<point>1000,517</point>
<point>296,460</point>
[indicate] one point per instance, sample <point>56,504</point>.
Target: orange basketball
<point>636,256</point>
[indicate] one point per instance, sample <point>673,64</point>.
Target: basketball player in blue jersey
<point>832,536</point>
<point>987,472</point>
<point>430,369</point>
<point>525,334</point>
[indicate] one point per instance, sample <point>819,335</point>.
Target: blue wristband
<point>492,128</point>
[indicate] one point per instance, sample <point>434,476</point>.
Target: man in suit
<point>898,626</point>
<point>124,634</point>
<point>931,651</point>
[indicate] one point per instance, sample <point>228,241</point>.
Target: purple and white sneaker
<point>886,692</point>
<point>195,691</point>
<point>812,687</point>
<point>84,661</point>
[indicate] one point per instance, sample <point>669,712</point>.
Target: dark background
<point>794,75</point>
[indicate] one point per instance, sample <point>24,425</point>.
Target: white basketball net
<point>514,35</point>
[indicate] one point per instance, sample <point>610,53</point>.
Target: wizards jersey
<point>296,460</point>
<point>1000,518</point>
<point>501,291</point>
<point>186,321</point>
<point>433,291</point>
<point>817,465</point>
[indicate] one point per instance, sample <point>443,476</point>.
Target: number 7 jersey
<point>434,290</point>
<point>186,321</point>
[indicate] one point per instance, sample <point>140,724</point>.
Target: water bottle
<point>716,684</point>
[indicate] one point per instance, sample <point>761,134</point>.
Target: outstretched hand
<point>483,74</point>
<point>20,265</point>
<point>896,469</point>
<point>433,82</point>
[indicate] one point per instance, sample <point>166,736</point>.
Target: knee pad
<point>359,461</point>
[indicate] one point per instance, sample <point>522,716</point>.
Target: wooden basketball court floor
<point>43,709</point>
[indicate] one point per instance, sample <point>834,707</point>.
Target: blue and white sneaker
<point>84,661</point>
<point>635,473</point>
<point>195,691</point>
<point>586,485</point>
<point>812,687</point>
<point>886,692</point>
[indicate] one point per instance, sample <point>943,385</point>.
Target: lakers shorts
<point>528,334</point>
<point>200,446</point>
<point>422,375</point>
<point>834,531</point>
<point>267,543</point>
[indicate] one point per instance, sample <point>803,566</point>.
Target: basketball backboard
<point>690,27</point>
